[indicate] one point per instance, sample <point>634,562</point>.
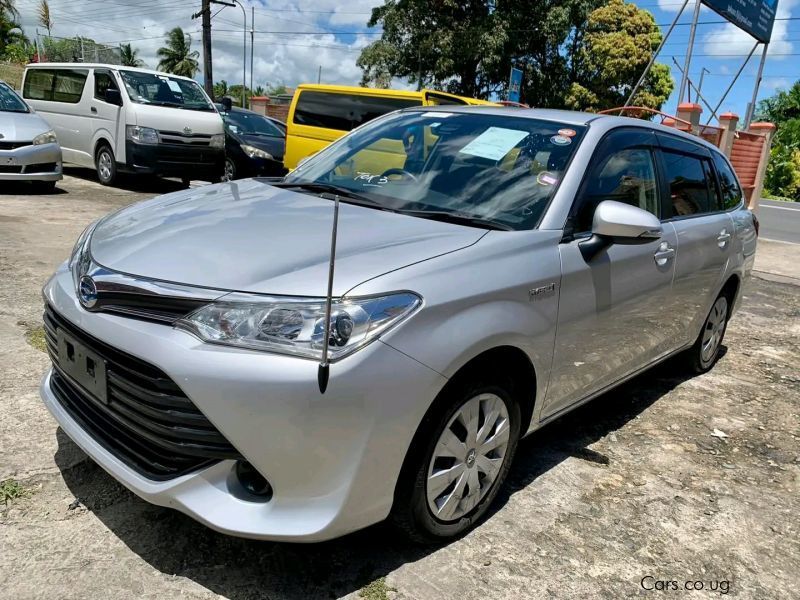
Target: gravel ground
<point>664,481</point>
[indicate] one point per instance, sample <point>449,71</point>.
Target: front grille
<point>41,168</point>
<point>147,421</point>
<point>13,145</point>
<point>177,137</point>
<point>10,169</point>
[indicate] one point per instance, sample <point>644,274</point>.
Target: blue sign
<point>756,17</point>
<point>514,84</point>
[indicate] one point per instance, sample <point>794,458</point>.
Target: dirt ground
<point>632,495</point>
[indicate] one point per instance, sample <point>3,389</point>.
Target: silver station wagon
<point>494,268</point>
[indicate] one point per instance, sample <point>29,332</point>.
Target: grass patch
<point>377,590</point>
<point>35,337</point>
<point>11,489</point>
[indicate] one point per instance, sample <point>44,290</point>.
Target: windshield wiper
<point>328,188</point>
<point>457,218</point>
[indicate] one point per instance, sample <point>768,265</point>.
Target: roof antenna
<point>323,373</point>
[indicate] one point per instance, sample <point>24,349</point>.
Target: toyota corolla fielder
<point>494,269</point>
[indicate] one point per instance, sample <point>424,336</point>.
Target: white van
<point>124,119</point>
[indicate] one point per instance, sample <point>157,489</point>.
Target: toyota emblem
<point>87,292</point>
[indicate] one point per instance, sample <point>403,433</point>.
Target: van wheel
<point>467,443</point>
<point>705,352</point>
<point>106,165</point>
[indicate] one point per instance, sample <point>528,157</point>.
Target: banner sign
<point>756,17</point>
<point>514,85</point>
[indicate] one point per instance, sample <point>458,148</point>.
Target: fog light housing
<point>253,482</point>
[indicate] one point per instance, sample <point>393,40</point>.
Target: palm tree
<point>8,6</point>
<point>259,91</point>
<point>177,56</point>
<point>220,89</point>
<point>128,56</point>
<point>45,18</point>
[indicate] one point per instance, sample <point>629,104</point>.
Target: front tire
<point>705,352</point>
<point>230,171</point>
<point>106,165</point>
<point>468,442</point>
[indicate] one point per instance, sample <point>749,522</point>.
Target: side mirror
<point>227,104</point>
<point>618,223</point>
<point>113,96</point>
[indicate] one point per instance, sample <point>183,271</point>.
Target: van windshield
<point>163,90</point>
<point>490,170</point>
<point>10,102</point>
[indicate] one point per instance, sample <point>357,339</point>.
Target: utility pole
<point>208,77</point>
<point>319,75</point>
<point>252,36</point>
<point>688,61</point>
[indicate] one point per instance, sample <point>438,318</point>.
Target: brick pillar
<point>689,111</point>
<point>727,122</point>
<point>767,130</point>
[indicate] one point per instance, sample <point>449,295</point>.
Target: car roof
<point>45,65</point>
<point>567,117</point>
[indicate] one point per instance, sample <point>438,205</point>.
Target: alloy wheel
<point>230,170</point>
<point>467,457</point>
<point>104,165</point>
<point>714,329</point>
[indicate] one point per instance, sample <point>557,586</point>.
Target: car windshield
<point>10,102</point>
<point>247,123</point>
<point>484,168</point>
<point>163,90</point>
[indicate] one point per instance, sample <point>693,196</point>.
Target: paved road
<point>780,220</point>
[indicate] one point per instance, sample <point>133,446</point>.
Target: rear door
<point>705,230</point>
<point>616,310</point>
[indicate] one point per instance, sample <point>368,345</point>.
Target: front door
<point>106,116</point>
<point>616,310</point>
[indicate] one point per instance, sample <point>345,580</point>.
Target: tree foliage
<point>783,170</point>
<point>129,56</point>
<point>45,18</point>
<point>583,54</point>
<point>177,56</point>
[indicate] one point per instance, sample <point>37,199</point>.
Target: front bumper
<point>31,163</point>
<point>332,459</point>
<point>175,160</point>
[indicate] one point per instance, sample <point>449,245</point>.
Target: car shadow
<point>241,569</point>
<point>145,184</point>
<point>27,188</point>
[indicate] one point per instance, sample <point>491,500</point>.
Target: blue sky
<point>296,37</point>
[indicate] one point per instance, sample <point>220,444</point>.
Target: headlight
<point>296,326</point>
<point>254,152</point>
<point>79,253</point>
<point>217,140</point>
<point>141,135</point>
<point>48,137</point>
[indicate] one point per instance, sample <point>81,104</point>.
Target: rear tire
<point>704,354</point>
<point>457,461</point>
<point>106,165</point>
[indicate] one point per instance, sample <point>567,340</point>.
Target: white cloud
<point>728,39</point>
<point>290,59</point>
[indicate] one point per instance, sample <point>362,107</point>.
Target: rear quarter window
<point>690,190</point>
<point>344,112</point>
<point>62,85</point>
<point>731,192</point>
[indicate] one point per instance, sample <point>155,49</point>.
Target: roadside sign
<point>756,17</point>
<point>515,84</point>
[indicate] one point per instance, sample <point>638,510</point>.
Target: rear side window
<point>731,192</point>
<point>344,111</point>
<point>55,85</point>
<point>690,188</point>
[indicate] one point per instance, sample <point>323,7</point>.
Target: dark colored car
<point>254,144</point>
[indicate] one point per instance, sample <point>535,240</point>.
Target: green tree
<point>10,35</point>
<point>9,8</point>
<point>783,169</point>
<point>220,89</point>
<point>129,56</point>
<point>617,43</point>
<point>45,18</point>
<point>259,90</point>
<point>177,56</point>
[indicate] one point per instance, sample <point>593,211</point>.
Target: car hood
<point>21,127</point>
<point>249,236</point>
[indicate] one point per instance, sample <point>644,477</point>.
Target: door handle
<point>723,238</point>
<point>93,109</point>
<point>664,254</point>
